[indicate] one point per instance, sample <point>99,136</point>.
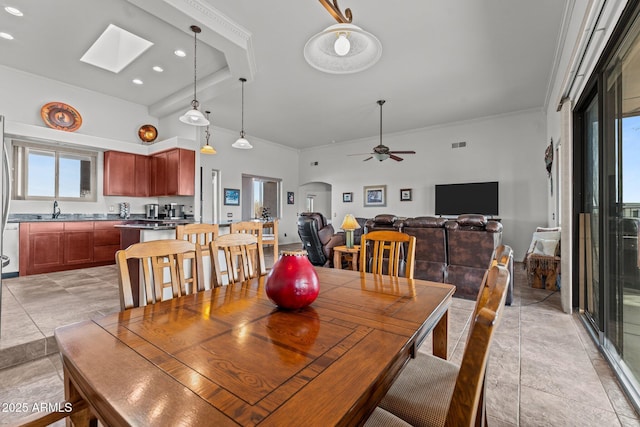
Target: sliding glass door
<point>609,124</point>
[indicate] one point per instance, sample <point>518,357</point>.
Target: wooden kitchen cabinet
<point>78,242</point>
<point>41,247</point>
<point>56,246</point>
<point>173,173</point>
<point>125,174</point>
<point>106,241</point>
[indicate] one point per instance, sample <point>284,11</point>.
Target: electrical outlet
<point>111,208</point>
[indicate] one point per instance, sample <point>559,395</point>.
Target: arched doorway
<point>316,197</point>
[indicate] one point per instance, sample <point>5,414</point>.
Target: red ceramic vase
<point>292,283</point>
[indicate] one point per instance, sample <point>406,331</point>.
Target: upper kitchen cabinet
<point>123,169</point>
<point>173,173</point>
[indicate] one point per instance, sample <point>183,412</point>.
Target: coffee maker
<point>152,211</point>
<point>173,211</point>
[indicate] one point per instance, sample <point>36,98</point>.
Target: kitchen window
<point>44,172</point>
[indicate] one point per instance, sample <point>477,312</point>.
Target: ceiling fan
<point>382,152</point>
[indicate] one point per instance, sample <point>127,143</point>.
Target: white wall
<point>508,149</point>
<point>265,159</point>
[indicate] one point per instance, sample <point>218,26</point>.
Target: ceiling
<point>442,61</point>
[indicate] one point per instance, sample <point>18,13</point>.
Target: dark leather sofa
<point>456,251</point>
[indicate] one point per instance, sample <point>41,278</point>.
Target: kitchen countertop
<point>139,218</point>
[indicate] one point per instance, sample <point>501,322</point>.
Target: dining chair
<point>384,252</point>
<point>435,392</point>
<point>162,263</point>
<point>255,228</point>
<point>201,234</point>
<point>240,263</point>
<point>271,239</point>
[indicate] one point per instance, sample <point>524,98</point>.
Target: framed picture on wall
<point>290,198</point>
<point>405,195</point>
<point>375,195</point>
<point>347,197</point>
<point>232,197</point>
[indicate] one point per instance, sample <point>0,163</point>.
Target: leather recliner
<point>431,247</point>
<point>318,238</point>
<point>471,241</point>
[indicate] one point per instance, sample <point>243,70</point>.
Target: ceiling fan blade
<point>368,158</point>
<point>399,159</point>
<point>403,152</point>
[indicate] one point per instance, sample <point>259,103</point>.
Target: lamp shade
<point>349,223</point>
<point>194,117</point>
<point>242,143</point>
<point>355,51</point>
<point>207,149</point>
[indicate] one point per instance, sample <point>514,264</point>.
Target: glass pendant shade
<point>194,117</point>
<point>207,149</point>
<point>242,143</point>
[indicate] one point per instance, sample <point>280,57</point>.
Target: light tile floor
<point>544,369</point>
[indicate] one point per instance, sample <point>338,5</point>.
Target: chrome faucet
<point>56,209</point>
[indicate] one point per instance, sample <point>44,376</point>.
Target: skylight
<point>115,49</point>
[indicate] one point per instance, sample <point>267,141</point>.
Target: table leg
<point>354,262</point>
<point>337,260</point>
<point>440,337</point>
<point>71,394</point>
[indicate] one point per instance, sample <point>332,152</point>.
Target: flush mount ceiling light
<point>342,48</point>
<point>242,143</point>
<point>194,117</point>
<point>115,49</point>
<point>207,149</point>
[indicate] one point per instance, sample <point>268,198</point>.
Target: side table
<point>351,254</point>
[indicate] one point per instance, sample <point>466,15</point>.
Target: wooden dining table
<point>229,356</point>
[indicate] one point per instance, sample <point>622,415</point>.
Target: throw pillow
<point>545,247</point>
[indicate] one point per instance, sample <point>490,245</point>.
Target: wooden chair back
<point>240,263</point>
<point>203,235</point>
<point>271,239</point>
<point>502,256</point>
<point>389,246</point>
<point>156,258</point>
<point>467,402</point>
<point>255,228</point>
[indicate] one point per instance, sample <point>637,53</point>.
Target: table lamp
<point>348,225</point>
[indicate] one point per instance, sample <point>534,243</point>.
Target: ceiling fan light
<point>380,156</point>
<point>194,117</point>
<point>242,143</point>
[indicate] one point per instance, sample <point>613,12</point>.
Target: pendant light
<point>194,117</point>
<point>207,149</point>
<point>342,48</point>
<point>242,142</point>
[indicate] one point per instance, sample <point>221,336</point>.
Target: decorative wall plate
<point>61,116</point>
<point>147,133</point>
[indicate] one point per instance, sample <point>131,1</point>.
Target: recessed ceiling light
<point>13,11</point>
<point>6,36</point>
<point>158,69</point>
<point>137,81</point>
<point>180,53</point>
<point>115,49</point>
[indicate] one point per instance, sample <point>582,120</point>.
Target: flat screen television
<point>472,198</point>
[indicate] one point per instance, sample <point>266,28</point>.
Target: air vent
<point>314,163</point>
<point>459,144</point>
